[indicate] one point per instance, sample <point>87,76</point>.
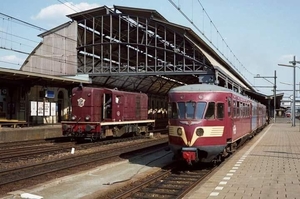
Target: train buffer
<point>12,123</point>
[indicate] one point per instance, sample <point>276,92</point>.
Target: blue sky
<point>260,34</point>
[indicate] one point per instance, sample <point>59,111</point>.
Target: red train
<point>101,112</point>
<point>208,122</point>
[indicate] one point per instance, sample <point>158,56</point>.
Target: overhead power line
<point>177,6</point>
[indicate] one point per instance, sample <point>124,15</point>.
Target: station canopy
<point>139,50</point>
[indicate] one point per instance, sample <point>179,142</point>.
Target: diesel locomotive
<point>101,112</point>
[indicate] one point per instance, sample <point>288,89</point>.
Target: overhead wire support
<point>294,62</point>
<point>274,89</point>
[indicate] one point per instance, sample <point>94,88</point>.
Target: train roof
<point>199,87</point>
<point>205,88</point>
<point>108,89</point>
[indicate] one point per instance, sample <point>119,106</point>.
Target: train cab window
<point>181,110</point>
<point>172,111</point>
<point>210,112</point>
<point>200,110</point>
<point>117,99</point>
<point>220,110</point>
<point>190,109</point>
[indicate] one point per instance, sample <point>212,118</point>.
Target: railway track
<point>169,183</point>
<point>174,181</point>
<point>31,171</point>
<point>28,152</point>
<point>7,145</point>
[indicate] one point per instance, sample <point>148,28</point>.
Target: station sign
<point>49,94</point>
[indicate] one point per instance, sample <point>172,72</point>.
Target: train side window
<point>229,107</point>
<point>248,110</point>
<point>237,109</point>
<point>234,109</point>
<point>220,110</point>
<point>210,112</point>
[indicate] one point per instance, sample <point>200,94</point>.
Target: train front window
<point>210,112</point>
<point>190,109</point>
<point>186,110</point>
<point>200,110</point>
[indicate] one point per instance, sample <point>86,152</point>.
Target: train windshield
<point>186,110</point>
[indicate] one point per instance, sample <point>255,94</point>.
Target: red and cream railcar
<point>206,122</point>
<point>101,112</point>
<point>259,116</point>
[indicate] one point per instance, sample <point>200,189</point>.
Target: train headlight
<point>87,118</point>
<point>199,132</point>
<point>73,117</point>
<point>179,131</point>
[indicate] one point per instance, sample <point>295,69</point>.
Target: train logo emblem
<point>81,102</point>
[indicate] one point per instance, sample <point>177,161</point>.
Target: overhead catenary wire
<point>177,6</point>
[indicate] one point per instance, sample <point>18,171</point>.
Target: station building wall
<point>16,104</point>
<point>60,100</point>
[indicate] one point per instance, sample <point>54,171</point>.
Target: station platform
<point>268,166</point>
<point>8,134</point>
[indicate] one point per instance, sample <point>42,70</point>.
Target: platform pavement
<point>8,134</point>
<point>268,166</point>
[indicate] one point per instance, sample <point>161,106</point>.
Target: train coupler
<point>190,154</point>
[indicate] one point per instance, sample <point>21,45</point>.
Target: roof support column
<point>110,42</point>
<point>93,64</point>
<point>119,44</point>
<point>146,47</point>
<point>84,57</point>
<point>165,50</point>
<point>175,50</point>
<point>138,42</point>
<point>128,41</point>
<point>101,38</point>
<point>155,46</point>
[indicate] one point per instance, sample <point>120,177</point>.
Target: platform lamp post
<point>294,62</point>
<point>274,89</point>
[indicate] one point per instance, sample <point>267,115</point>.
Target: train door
<point>229,122</point>
<point>107,106</point>
<point>138,107</point>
